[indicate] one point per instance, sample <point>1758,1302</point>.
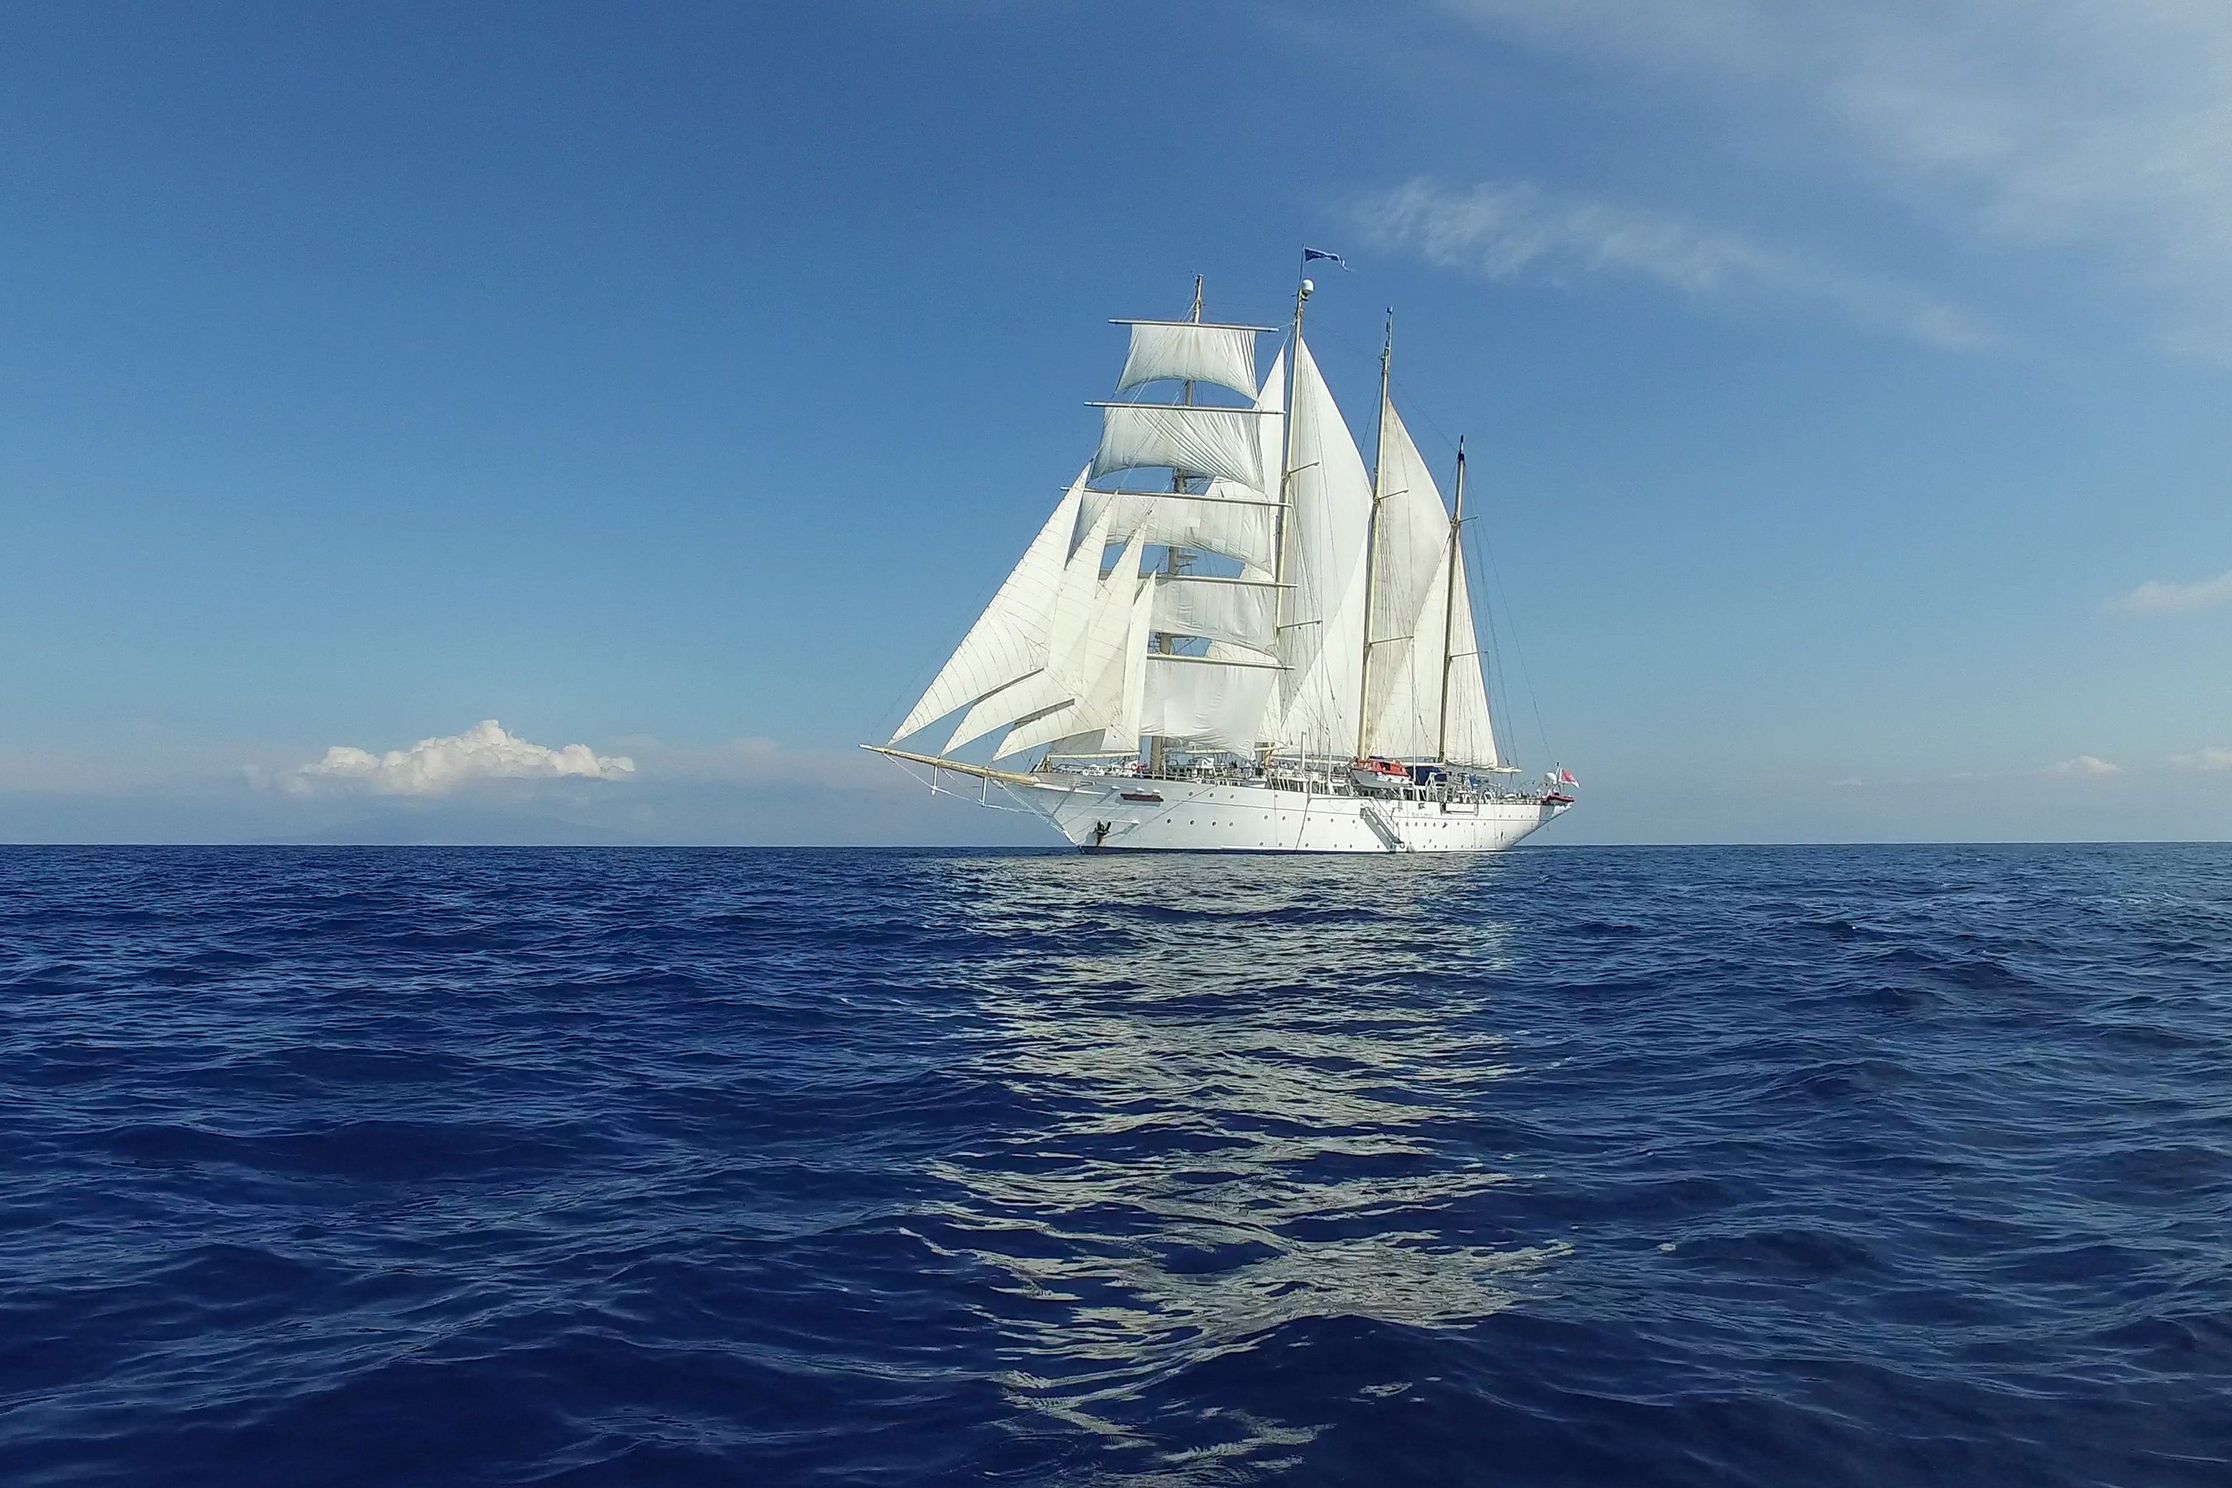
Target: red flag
<point>1565,777</point>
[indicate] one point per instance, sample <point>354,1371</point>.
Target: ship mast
<point>1371,541</point>
<point>1174,559</point>
<point>1286,474</point>
<point>1455,568</point>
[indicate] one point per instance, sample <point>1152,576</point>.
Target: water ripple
<point>1755,1166</point>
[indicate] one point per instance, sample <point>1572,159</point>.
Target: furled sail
<point>1185,351</point>
<point>1009,639</point>
<point>1227,519</point>
<point>1328,521</point>
<point>1202,441</point>
<point>1238,610</point>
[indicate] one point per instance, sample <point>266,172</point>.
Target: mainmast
<point>1286,475</point>
<point>1371,539</point>
<point>1175,560</point>
<point>1455,569</point>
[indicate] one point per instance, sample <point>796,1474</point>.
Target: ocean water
<point>1882,1166</point>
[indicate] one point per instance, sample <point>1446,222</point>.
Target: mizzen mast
<point>1449,599</point>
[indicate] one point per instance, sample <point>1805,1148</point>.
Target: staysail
<point>1008,641</point>
<point>1092,667</point>
<point>1052,683</point>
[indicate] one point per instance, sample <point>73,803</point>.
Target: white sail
<point>1056,680</point>
<point>1087,664</point>
<point>1202,441</point>
<point>1227,519</point>
<point>1122,735</point>
<point>1271,437</point>
<point>1407,718</point>
<point>1207,703</point>
<point>1239,610</point>
<point>1270,430</point>
<point>1328,520</point>
<point>1472,733</point>
<point>1018,702</point>
<point>1182,351</point>
<point>1410,540</point>
<point>1008,640</point>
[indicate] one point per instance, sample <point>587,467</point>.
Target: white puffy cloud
<point>2171,597</point>
<point>433,767</point>
<point>2085,764</point>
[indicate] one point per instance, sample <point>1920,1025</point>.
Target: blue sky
<point>1848,393</point>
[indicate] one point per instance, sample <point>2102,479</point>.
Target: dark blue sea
<point>1871,1166</point>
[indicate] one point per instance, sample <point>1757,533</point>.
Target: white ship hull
<point>1118,813</point>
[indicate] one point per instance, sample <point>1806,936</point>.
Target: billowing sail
<point>1407,716</point>
<point>1087,664</point>
<point>1210,704</point>
<point>1122,733</point>
<point>1328,520</point>
<point>1410,540</point>
<point>1055,681</point>
<point>1183,351</point>
<point>1237,610</point>
<point>1019,702</point>
<point>1201,441</point>
<point>1227,519</point>
<point>1472,734</point>
<point>1008,640</point>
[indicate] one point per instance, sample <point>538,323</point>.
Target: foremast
<point>1456,566</point>
<point>1175,558</point>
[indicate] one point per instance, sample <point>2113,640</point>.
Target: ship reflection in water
<point>1252,1102</point>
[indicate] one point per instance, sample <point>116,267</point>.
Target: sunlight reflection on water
<point>1246,1118</point>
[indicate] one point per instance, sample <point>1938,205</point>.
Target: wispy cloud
<point>2085,764</point>
<point>2170,597</point>
<point>2204,759</point>
<point>1514,230</point>
<point>2086,126</point>
<point>434,767</point>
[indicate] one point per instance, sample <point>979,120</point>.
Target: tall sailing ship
<point>1281,655</point>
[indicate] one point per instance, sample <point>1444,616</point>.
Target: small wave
<point>1894,1167</point>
